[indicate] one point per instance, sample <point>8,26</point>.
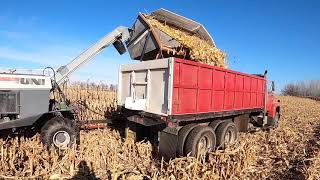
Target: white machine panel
<point>24,82</point>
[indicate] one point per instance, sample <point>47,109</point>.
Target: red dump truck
<point>192,107</point>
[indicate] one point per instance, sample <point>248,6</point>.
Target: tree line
<point>303,88</point>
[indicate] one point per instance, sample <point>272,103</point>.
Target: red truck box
<point>183,89</point>
<point>201,88</point>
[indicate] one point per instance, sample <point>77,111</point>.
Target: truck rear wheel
<point>200,141</point>
<point>227,134</point>
<point>182,136</point>
<point>59,132</point>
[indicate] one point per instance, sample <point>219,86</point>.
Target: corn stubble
<point>290,151</point>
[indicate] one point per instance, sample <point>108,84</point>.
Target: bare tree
<point>303,88</point>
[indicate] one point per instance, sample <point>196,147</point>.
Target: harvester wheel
<point>182,136</point>
<point>59,132</point>
<point>227,134</point>
<point>200,141</point>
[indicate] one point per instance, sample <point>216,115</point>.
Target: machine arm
<point>116,37</point>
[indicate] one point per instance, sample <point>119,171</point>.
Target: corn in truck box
<point>193,107</point>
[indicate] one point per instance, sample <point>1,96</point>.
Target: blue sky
<point>281,36</point>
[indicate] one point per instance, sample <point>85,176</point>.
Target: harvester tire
<point>227,134</point>
<point>182,136</point>
<point>200,141</point>
<point>58,132</point>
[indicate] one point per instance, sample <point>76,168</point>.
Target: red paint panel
<point>204,101</point>
<point>230,81</point>
<point>205,78</point>
<point>217,100</point>
<point>175,101</point>
<point>263,86</point>
<point>260,86</point>
<point>218,80</point>
<point>246,100</point>
<point>176,79</point>
<point>239,83</point>
<point>200,88</point>
<point>260,99</point>
<point>189,75</point>
<point>254,85</point>
<point>9,79</point>
<point>238,100</point>
<point>188,100</point>
<point>228,100</point>
<point>247,84</point>
<point>253,101</point>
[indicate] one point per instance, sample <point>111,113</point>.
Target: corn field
<point>91,101</point>
<point>291,151</point>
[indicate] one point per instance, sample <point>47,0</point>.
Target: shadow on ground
<point>84,172</point>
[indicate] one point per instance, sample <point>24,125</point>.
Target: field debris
<point>291,151</point>
<point>200,49</point>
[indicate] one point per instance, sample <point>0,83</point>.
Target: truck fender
<point>168,143</point>
<point>182,136</point>
<point>274,109</point>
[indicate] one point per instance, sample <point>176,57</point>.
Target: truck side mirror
<point>118,44</point>
<point>272,86</point>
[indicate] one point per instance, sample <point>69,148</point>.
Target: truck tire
<point>58,132</point>
<point>227,134</point>
<point>200,140</point>
<point>182,136</point>
<point>273,122</point>
<point>215,124</point>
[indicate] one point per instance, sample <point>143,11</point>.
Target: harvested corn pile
<point>200,50</point>
<point>91,102</point>
<point>292,151</point>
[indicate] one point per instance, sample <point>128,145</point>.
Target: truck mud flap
<point>168,143</point>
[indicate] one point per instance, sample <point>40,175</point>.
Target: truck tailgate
<point>146,86</point>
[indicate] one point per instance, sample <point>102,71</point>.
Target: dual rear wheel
<point>200,139</point>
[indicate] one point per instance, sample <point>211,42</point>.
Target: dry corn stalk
<point>292,151</point>
<point>91,102</point>
<point>200,50</point>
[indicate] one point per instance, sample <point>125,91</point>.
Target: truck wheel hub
<point>227,138</point>
<point>61,139</point>
<point>203,145</point>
